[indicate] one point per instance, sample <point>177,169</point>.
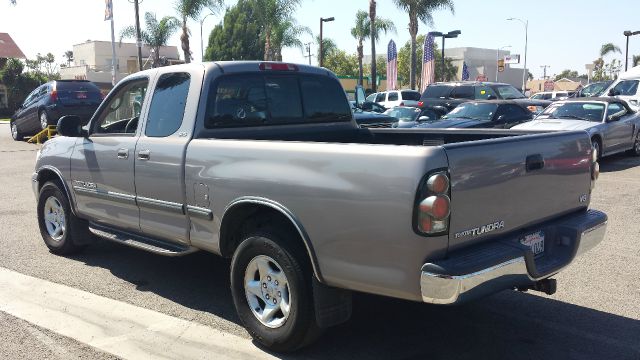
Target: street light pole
<point>498,59</point>
<point>138,37</point>
<point>449,35</point>
<point>201,37</point>
<point>526,43</point>
<point>626,56</point>
<point>321,55</point>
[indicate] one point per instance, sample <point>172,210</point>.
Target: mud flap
<point>332,305</point>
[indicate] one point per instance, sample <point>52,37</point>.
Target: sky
<point>562,34</point>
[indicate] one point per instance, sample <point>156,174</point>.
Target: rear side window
<point>437,92</point>
<point>380,97</point>
<point>626,88</point>
<point>393,96</point>
<point>168,103</point>
<point>410,95</point>
<point>485,93</point>
<point>463,92</point>
<point>262,100</point>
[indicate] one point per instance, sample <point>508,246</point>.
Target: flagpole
<point>113,50</point>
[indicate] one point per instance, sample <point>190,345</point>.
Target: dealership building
<point>484,63</point>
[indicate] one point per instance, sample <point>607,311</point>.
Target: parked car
<point>369,119</point>
<point>49,102</point>
<point>553,95</point>
<point>501,114</point>
<point>595,89</point>
<point>262,163</point>
<point>392,98</point>
<point>408,117</point>
<point>612,125</point>
<point>626,87</point>
<point>452,94</point>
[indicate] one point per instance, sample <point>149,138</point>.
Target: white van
<point>626,87</point>
<point>390,99</point>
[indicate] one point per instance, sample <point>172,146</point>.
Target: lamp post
<point>449,35</point>
<point>526,40</point>
<point>626,52</point>
<point>201,38</point>
<point>321,55</point>
<point>498,59</point>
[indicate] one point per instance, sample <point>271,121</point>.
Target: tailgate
<point>507,184</point>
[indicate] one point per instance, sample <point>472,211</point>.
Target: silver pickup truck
<point>263,163</point>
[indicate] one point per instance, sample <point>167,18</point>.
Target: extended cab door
<point>159,155</point>
<point>102,164</point>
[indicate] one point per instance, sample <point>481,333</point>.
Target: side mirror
<point>360,96</point>
<point>491,97</point>
<point>423,118</point>
<point>71,126</point>
<point>611,92</point>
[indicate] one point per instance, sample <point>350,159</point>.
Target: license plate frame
<point>535,241</point>
<point>81,95</point>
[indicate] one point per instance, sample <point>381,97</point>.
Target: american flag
<point>428,64</point>
<point>392,66</point>
<point>108,11</point>
<point>465,71</point>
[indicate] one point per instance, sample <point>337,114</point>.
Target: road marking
<point>122,329</point>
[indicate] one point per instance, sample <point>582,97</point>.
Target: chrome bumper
<point>440,288</point>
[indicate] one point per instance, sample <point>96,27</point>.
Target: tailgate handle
<point>535,162</point>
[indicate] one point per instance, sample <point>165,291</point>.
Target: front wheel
<point>15,132</point>
<point>61,231</point>
<point>271,285</point>
<point>44,120</point>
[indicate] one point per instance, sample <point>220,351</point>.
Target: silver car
<point>612,125</point>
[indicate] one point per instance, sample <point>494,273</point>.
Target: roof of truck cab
<point>251,66</point>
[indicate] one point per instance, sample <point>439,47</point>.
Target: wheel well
<point>244,218</point>
<point>46,175</point>
<point>598,139</point>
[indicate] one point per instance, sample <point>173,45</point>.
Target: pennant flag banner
<point>428,64</point>
<point>108,11</point>
<point>392,66</point>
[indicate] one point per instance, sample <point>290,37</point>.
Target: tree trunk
<point>372,20</point>
<point>267,44</point>
<point>156,57</point>
<point>413,31</point>
<point>184,39</point>
<point>360,56</point>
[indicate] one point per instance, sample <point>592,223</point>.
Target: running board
<point>140,242</point>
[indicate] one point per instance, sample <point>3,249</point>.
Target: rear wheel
<point>61,231</point>
<point>44,119</point>
<point>15,132</point>
<point>635,150</point>
<point>271,284</point>
<point>595,144</point>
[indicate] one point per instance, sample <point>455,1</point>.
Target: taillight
<point>277,66</point>
<point>420,103</point>
<point>54,96</point>
<point>433,207</point>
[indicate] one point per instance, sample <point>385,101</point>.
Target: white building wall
<point>484,61</point>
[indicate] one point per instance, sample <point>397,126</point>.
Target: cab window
<point>168,103</point>
<point>463,92</point>
<point>120,114</point>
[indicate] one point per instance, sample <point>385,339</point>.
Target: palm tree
<point>420,10</point>
<point>328,46</point>
<point>609,48</point>
<point>191,9</point>
<point>287,34</point>
<point>271,14</point>
<point>156,33</point>
<point>372,31</point>
<point>69,56</point>
<point>362,31</point>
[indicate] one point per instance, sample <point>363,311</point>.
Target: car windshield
<point>586,111</point>
<point>404,114</point>
<point>508,92</point>
<point>595,89</point>
<point>437,91</point>
<point>477,111</point>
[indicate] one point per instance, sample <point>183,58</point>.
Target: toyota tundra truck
<point>263,163</point>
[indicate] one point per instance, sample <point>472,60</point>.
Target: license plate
<point>535,241</point>
<point>81,95</point>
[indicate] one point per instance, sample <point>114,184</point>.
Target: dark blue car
<point>49,102</point>
<point>501,114</point>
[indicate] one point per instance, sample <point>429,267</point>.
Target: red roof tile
<point>8,48</point>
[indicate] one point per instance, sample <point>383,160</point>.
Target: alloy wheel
<point>54,218</point>
<point>44,121</point>
<point>267,290</point>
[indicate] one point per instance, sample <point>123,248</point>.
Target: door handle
<point>123,153</point>
<point>144,154</point>
<point>535,162</point>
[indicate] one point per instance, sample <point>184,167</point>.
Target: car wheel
<point>15,132</point>
<point>44,120</point>
<point>61,231</point>
<point>595,144</point>
<point>635,150</point>
<point>271,285</point>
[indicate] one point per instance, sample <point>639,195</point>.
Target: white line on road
<point>122,329</point>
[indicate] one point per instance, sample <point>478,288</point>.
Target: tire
<point>44,119</point>
<point>597,147</point>
<point>16,134</point>
<point>286,263</point>
<point>635,150</point>
<point>61,231</point>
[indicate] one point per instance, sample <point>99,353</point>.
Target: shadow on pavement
<point>509,325</point>
<point>618,162</point>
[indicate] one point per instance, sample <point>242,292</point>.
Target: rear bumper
<point>505,263</point>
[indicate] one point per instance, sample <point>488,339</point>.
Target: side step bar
<point>155,246</point>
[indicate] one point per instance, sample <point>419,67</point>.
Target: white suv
<point>390,99</point>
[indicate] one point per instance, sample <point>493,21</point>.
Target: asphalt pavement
<point>594,315</point>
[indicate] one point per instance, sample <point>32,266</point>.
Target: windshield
<point>595,89</point>
<point>587,111</point>
<point>477,111</point>
<point>508,92</point>
<point>404,114</point>
<point>437,91</point>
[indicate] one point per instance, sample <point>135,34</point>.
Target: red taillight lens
<point>277,66</point>
<point>420,103</point>
<point>54,96</point>
<point>434,208</point>
<point>438,183</point>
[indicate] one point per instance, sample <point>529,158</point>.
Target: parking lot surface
<point>594,315</point>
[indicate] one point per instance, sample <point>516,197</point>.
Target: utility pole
<point>308,45</point>
<point>136,6</point>
<point>544,69</point>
